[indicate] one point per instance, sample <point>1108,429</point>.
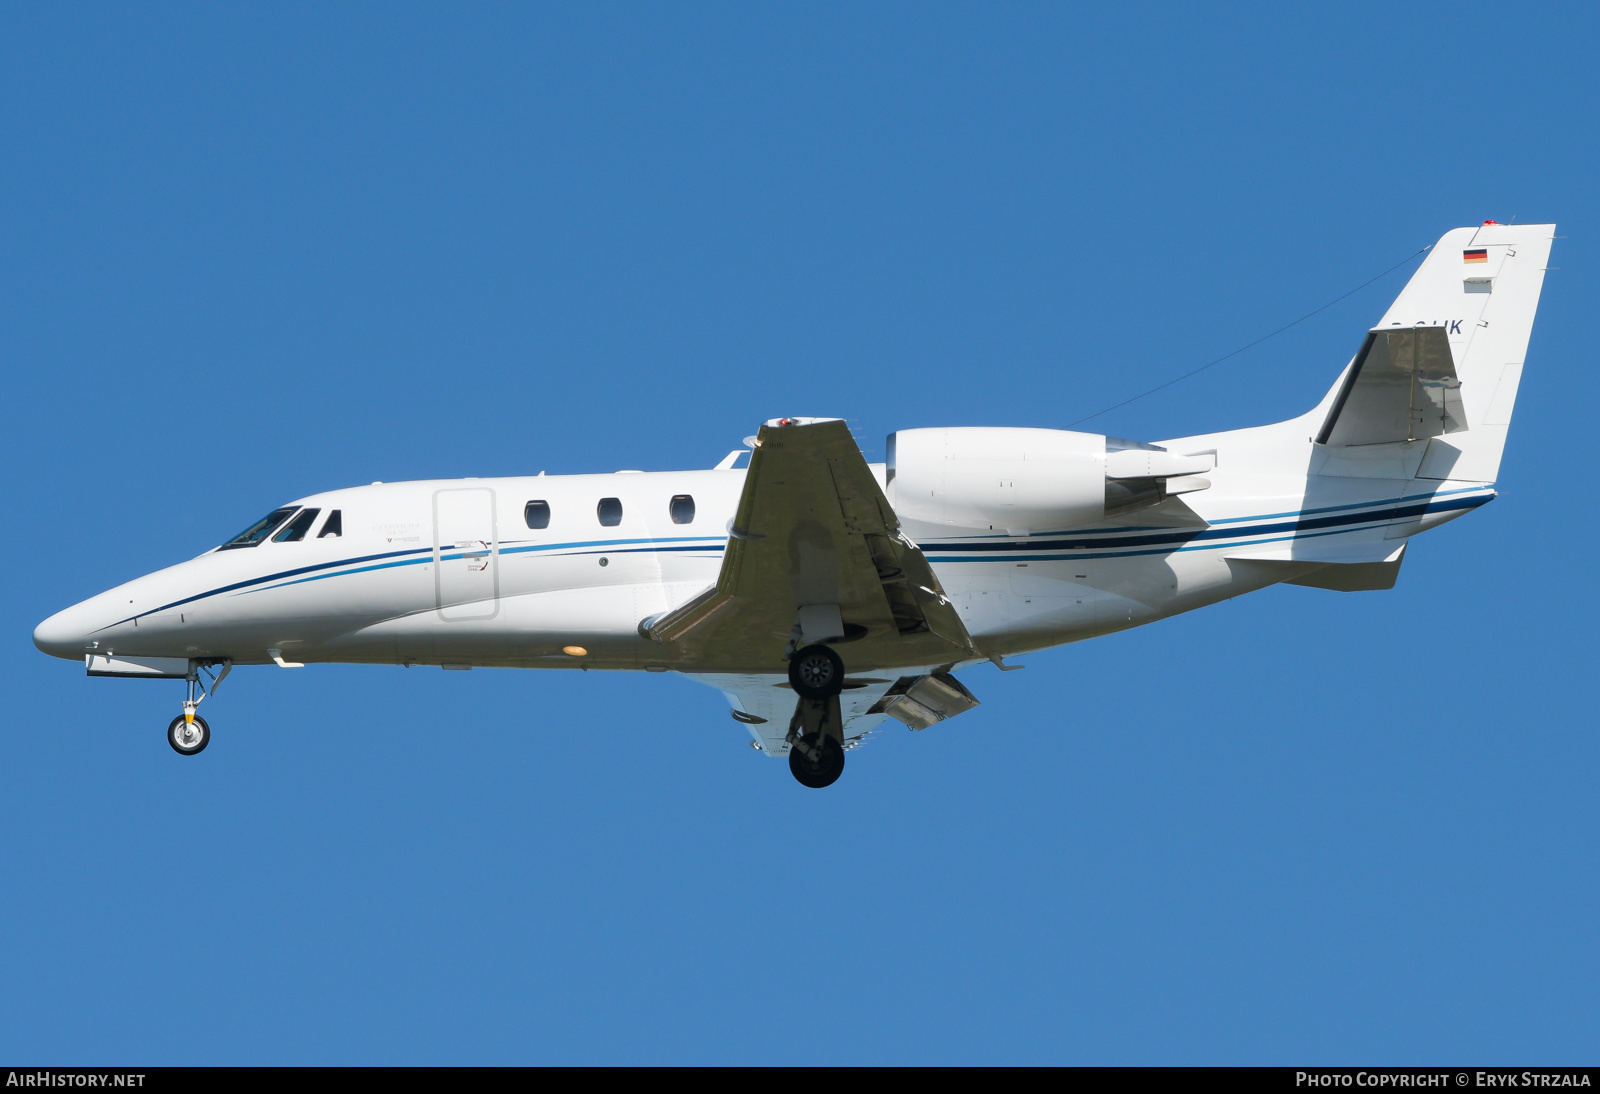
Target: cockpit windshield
<point>296,529</point>
<point>260,530</point>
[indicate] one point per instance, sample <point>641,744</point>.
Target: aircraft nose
<point>63,634</point>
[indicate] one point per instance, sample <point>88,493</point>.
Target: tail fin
<point>1444,363</point>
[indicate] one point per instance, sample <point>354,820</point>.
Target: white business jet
<point>823,594</point>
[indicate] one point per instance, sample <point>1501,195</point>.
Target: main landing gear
<point>816,732</point>
<point>816,672</point>
<point>189,734</point>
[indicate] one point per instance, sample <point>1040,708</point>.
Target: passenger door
<point>466,554</point>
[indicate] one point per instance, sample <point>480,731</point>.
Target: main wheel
<point>186,739</point>
<point>816,672</point>
<point>825,769</point>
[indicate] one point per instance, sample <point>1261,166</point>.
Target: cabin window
<point>610,511</point>
<point>682,509</point>
<point>537,514</point>
<point>296,529</point>
<point>334,526</point>
<point>260,530</point>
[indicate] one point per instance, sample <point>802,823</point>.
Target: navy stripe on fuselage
<point>938,550</point>
<point>1106,543</point>
<point>1215,521</point>
<point>425,555</point>
<point>261,580</point>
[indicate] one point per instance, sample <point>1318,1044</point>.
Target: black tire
<point>827,768</point>
<point>816,672</point>
<point>172,736</point>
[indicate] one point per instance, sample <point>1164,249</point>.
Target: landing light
<point>574,651</point>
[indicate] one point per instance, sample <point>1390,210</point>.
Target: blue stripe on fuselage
<point>1099,543</point>
<point>1179,539</point>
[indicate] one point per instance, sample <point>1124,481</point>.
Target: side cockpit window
<point>537,514</point>
<point>334,525</point>
<point>296,529</point>
<point>260,530</point>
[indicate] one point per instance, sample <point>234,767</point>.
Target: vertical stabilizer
<point>1443,364</point>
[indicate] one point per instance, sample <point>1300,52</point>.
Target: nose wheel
<point>188,734</point>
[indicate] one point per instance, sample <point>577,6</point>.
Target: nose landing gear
<point>189,734</point>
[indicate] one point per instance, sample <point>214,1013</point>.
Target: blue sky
<point>250,253</point>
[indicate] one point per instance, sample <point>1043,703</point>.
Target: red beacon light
<point>1489,222</point>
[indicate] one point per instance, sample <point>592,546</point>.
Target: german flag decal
<point>1475,256</point>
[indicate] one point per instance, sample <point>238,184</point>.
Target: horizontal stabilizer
<point>1402,387</point>
<point>1352,577</point>
<point>1369,545</point>
<point>1344,577</point>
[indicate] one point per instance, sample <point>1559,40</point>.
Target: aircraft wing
<point>765,704</point>
<point>813,531</point>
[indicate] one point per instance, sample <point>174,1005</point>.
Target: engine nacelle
<point>1029,480</point>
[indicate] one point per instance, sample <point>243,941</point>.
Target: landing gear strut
<point>816,732</point>
<point>189,734</point>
